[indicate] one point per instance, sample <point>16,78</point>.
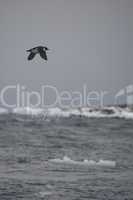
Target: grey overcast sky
<point>91,43</point>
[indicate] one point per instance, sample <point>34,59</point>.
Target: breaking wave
<point>67,160</point>
<point>27,111</point>
<point>105,112</point>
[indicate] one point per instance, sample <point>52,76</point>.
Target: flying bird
<point>38,50</point>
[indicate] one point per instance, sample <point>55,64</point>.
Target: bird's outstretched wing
<point>31,56</point>
<point>43,55</point>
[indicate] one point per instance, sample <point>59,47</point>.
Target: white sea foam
<point>58,112</point>
<point>67,160</point>
<point>105,112</point>
<point>27,111</point>
<point>127,114</point>
<point>44,194</point>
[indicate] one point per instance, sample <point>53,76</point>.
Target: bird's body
<point>38,50</point>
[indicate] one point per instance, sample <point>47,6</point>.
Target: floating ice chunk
<point>89,162</point>
<point>86,162</point>
<point>106,163</point>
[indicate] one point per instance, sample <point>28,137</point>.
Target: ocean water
<point>63,155</point>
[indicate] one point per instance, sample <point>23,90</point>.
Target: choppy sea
<point>83,154</point>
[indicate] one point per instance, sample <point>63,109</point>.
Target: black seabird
<point>38,50</point>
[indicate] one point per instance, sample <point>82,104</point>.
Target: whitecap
<point>105,112</point>
<point>27,111</point>
<point>44,193</point>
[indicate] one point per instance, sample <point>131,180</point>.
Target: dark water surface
<point>27,146</point>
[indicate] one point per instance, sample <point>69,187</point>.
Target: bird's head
<point>46,48</point>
